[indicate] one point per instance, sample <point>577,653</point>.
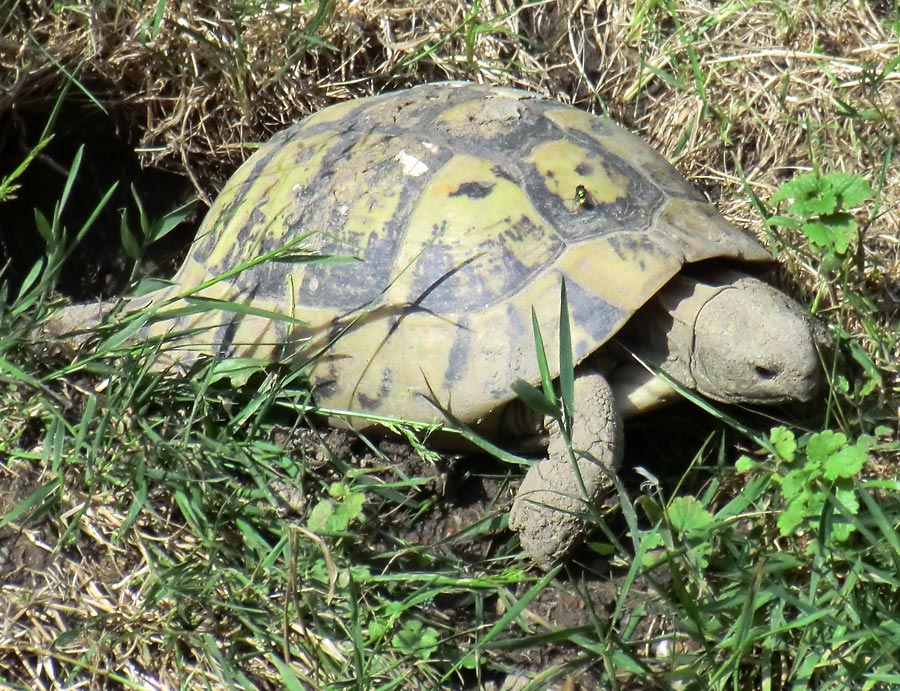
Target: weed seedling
<point>814,474</point>
<point>820,207</point>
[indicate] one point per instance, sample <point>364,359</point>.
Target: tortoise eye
<point>766,372</point>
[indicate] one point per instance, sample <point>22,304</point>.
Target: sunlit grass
<point>171,529</point>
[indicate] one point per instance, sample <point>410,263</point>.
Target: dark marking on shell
<point>344,285</point>
<point>225,334</point>
<point>514,143</point>
<point>460,353</point>
<point>473,190</point>
<point>504,174</point>
<point>325,388</point>
<point>444,285</point>
<point>634,247</point>
<point>514,325</point>
<point>368,403</point>
<point>437,280</point>
<point>285,346</point>
<point>602,219</point>
<point>584,169</point>
<point>591,313</point>
<point>219,231</point>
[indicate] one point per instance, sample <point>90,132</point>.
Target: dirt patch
<point>98,266</point>
<point>24,553</point>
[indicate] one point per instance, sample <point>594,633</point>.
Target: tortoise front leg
<point>557,494</point>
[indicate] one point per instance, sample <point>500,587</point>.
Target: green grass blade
<point>506,620</point>
<point>33,505</point>
<point>541,355</point>
<point>566,364</point>
<point>534,398</point>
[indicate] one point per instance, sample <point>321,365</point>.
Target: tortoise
<point>462,208</point>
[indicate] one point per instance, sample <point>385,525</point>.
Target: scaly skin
<point>729,337</point>
<point>558,493</point>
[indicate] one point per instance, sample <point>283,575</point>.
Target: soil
<point>98,266</point>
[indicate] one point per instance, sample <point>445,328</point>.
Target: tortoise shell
<point>450,211</point>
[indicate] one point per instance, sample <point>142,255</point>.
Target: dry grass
<point>740,97</point>
<point>774,89</point>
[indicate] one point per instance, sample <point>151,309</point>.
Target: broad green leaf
<point>319,516</point>
<point>810,196</point>
<point>847,496</point>
<point>822,445</point>
<point>169,222</point>
<point>795,483</point>
<point>851,189</point>
<point>815,502</point>
<point>129,244</point>
<point>840,532</point>
<point>534,398</point>
<point>566,365</point>
<point>43,228</point>
<point>337,522</point>
<point>376,630</point>
<point>835,232</point>
<point>687,514</point>
<point>543,365</point>
<point>846,462</point>
<point>237,370</point>
<point>745,464</point>
<point>784,442</point>
<point>791,517</point>
<point>351,506</point>
<point>30,280</point>
<point>416,639</point>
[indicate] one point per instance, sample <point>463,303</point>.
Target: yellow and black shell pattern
<point>449,212</point>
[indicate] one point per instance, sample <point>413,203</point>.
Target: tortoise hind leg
<point>557,494</point>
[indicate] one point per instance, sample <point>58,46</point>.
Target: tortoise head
<point>752,343</point>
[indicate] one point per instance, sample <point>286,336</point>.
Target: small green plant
<point>416,639</point>
<point>811,473</point>
<point>150,230</point>
<point>334,515</point>
<point>820,208</point>
<point>687,524</point>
